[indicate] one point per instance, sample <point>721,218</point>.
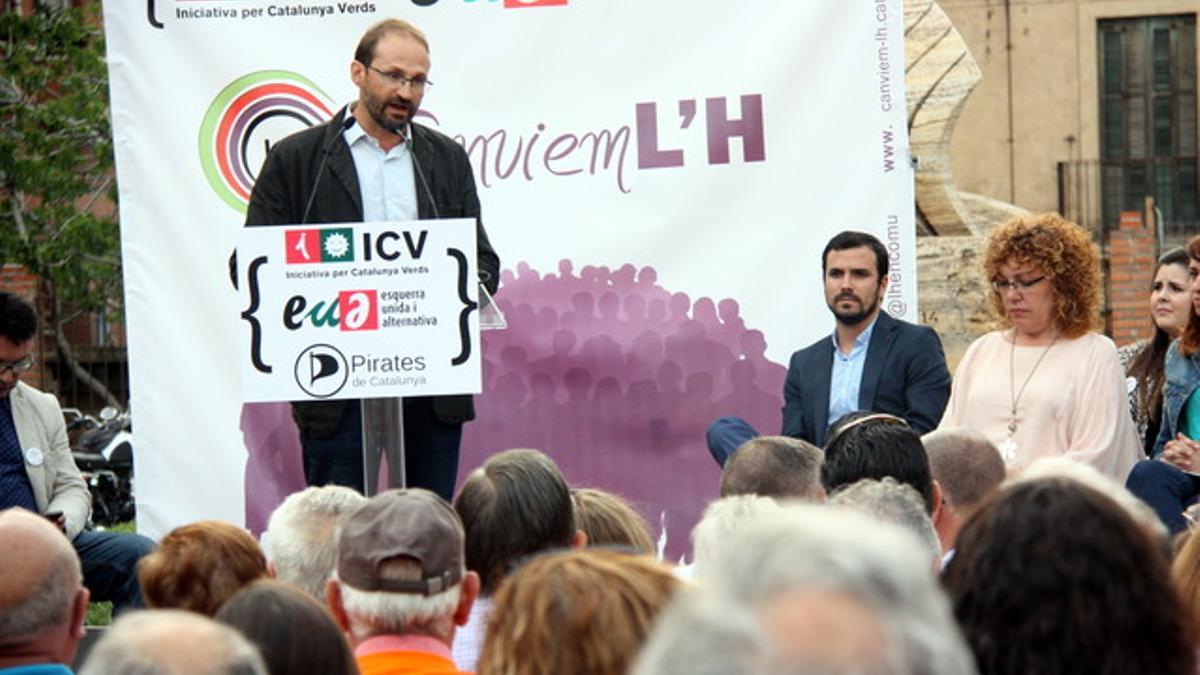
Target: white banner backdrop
<point>690,151</point>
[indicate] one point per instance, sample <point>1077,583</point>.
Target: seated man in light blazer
<point>870,362</point>
<point>38,473</point>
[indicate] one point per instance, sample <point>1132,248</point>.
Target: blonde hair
<point>583,611</point>
<point>1185,572</point>
<point>609,520</point>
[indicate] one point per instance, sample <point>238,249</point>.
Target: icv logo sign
<point>319,246</point>
<point>245,118</point>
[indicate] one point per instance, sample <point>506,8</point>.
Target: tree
<point>57,195</point>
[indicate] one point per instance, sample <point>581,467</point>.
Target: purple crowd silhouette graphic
<point>606,371</point>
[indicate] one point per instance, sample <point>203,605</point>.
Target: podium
<point>370,311</point>
<point>383,421</point>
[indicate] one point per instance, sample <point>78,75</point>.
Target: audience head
<point>1064,467</point>
<point>721,520</point>
<point>702,633</point>
<point>584,611</point>
<point>1185,571</point>
<point>516,504</point>
<point>1051,576</point>
<point>812,589</point>
<point>967,468</point>
<point>293,632</point>
<point>608,520</point>
<point>198,567</point>
<point>774,466</point>
<point>299,541</point>
<point>888,501</point>
<point>401,568</point>
<point>172,642</point>
<point>42,599</point>
<point>874,445</point>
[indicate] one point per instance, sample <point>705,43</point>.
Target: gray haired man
<point>401,587</point>
<point>172,642</point>
<point>299,541</point>
<point>42,598</point>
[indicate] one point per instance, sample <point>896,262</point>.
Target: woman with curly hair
<point>584,612</point>
<point>1045,384</point>
<point>1170,482</point>
<point>199,566</point>
<point>1170,307</point>
<point>1051,576</point>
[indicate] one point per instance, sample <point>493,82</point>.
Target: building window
<point>1148,117</point>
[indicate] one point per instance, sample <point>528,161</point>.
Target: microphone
<point>346,124</point>
<point>484,276</point>
<point>412,151</point>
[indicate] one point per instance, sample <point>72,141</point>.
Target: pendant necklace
<point>1008,449</point>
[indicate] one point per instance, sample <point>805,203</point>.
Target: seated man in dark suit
<point>870,362</point>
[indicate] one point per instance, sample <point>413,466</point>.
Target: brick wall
<point>1131,272</point>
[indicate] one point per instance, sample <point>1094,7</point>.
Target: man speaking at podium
<point>373,163</point>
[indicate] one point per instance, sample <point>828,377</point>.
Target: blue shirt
<point>385,179</point>
<point>846,378</point>
<point>15,489</point>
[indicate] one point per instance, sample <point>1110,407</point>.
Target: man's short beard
<point>389,125</point>
<point>857,317</point>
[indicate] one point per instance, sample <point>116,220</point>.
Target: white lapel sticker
<point>34,456</point>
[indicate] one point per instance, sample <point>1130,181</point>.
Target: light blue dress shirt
<point>846,378</point>
<point>385,179</point>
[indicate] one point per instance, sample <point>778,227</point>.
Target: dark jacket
<point>905,375</point>
<point>289,178</point>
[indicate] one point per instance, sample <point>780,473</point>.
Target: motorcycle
<point>103,451</point>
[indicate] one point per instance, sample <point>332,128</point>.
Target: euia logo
<point>313,245</point>
<point>359,309</point>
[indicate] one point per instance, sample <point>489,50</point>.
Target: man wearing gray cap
<point>401,587</point>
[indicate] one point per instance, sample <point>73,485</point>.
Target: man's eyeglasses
<point>16,367</point>
<point>419,83</point>
<point>1003,285</point>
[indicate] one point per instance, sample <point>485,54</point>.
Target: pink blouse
<point>1074,405</point>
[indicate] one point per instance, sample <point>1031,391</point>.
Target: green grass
<point>100,613</point>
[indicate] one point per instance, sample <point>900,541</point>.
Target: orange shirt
<point>405,655</point>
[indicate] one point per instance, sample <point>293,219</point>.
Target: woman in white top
<point>1045,384</point>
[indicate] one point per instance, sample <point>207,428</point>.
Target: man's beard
<point>854,318</point>
<point>377,109</point>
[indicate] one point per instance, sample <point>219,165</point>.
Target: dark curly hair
<point>1061,250</point>
<point>1050,576</point>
